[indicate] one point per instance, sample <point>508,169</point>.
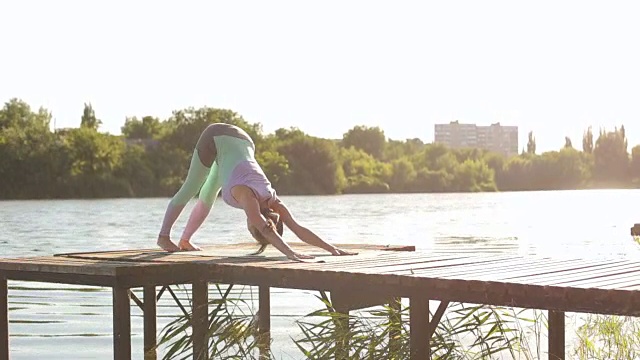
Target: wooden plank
<point>548,270</point>
<point>632,287</point>
<point>347,262</point>
<point>4,317</point>
<point>356,299</point>
<point>160,275</point>
<point>583,274</point>
<point>61,278</point>
<point>556,335</point>
<point>412,264</point>
<point>456,269</point>
<point>586,266</point>
<point>57,260</point>
<point>530,296</point>
<point>121,324</point>
<point>238,249</point>
<point>58,266</point>
<point>512,266</point>
<point>345,266</point>
<point>498,269</point>
<point>30,263</point>
<point>379,263</point>
<point>200,320</point>
<point>371,265</point>
<point>419,327</point>
<point>150,322</point>
<point>538,267</point>
<point>605,282</point>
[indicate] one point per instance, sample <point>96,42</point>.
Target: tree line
<point>151,159</point>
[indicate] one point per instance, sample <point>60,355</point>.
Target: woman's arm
<point>304,233</point>
<point>249,203</point>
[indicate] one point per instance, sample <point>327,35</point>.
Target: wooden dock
<point>375,276</point>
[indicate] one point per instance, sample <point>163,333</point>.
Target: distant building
<point>496,138</point>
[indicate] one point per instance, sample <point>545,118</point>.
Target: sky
<point>551,67</point>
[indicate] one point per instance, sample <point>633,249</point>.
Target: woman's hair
<point>274,222</point>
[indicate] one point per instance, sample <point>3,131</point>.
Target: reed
<point>465,332</point>
<point>232,328</point>
<point>608,337</point>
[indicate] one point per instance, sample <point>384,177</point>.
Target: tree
<point>93,153</point>
<point>531,144</point>
<point>369,139</point>
<point>403,175</point>
<point>314,165</point>
<point>275,166</point>
<point>567,143</point>
<point>611,159</point>
<point>147,128</point>
<point>88,119</point>
<point>634,167</point>
<point>31,162</point>
<point>587,141</point>
<point>16,113</point>
<point>395,149</point>
<point>185,126</point>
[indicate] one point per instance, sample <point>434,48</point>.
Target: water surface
<point>74,322</point>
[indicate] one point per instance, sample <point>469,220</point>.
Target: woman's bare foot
<point>186,245</point>
<point>166,244</point>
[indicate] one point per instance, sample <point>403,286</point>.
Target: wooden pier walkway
<point>375,276</point>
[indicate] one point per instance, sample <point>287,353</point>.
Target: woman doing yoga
<point>224,161</point>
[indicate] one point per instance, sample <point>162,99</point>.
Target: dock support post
<point>121,323</point>
<point>556,335</point>
<point>264,321</point>
<point>4,317</point>
<point>419,327</point>
<point>200,319</point>
<point>396,322</point>
<point>343,302</point>
<point>150,323</point>
<point>346,300</point>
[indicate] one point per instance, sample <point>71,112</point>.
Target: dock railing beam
<point>4,317</point>
<point>556,335</point>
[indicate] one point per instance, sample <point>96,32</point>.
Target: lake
<point>62,321</point>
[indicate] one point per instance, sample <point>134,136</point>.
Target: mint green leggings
<point>204,177</point>
<point>200,179</point>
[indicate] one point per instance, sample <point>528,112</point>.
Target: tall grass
<point>465,332</point>
<point>608,337</point>
<point>232,329</point>
<point>475,332</point>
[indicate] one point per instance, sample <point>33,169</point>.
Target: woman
<point>224,160</point>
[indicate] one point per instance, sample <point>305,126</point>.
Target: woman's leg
<point>206,199</point>
<point>195,178</point>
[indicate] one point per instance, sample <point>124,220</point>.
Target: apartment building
<point>495,137</point>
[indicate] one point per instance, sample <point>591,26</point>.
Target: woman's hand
<point>339,252</point>
<point>300,257</point>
